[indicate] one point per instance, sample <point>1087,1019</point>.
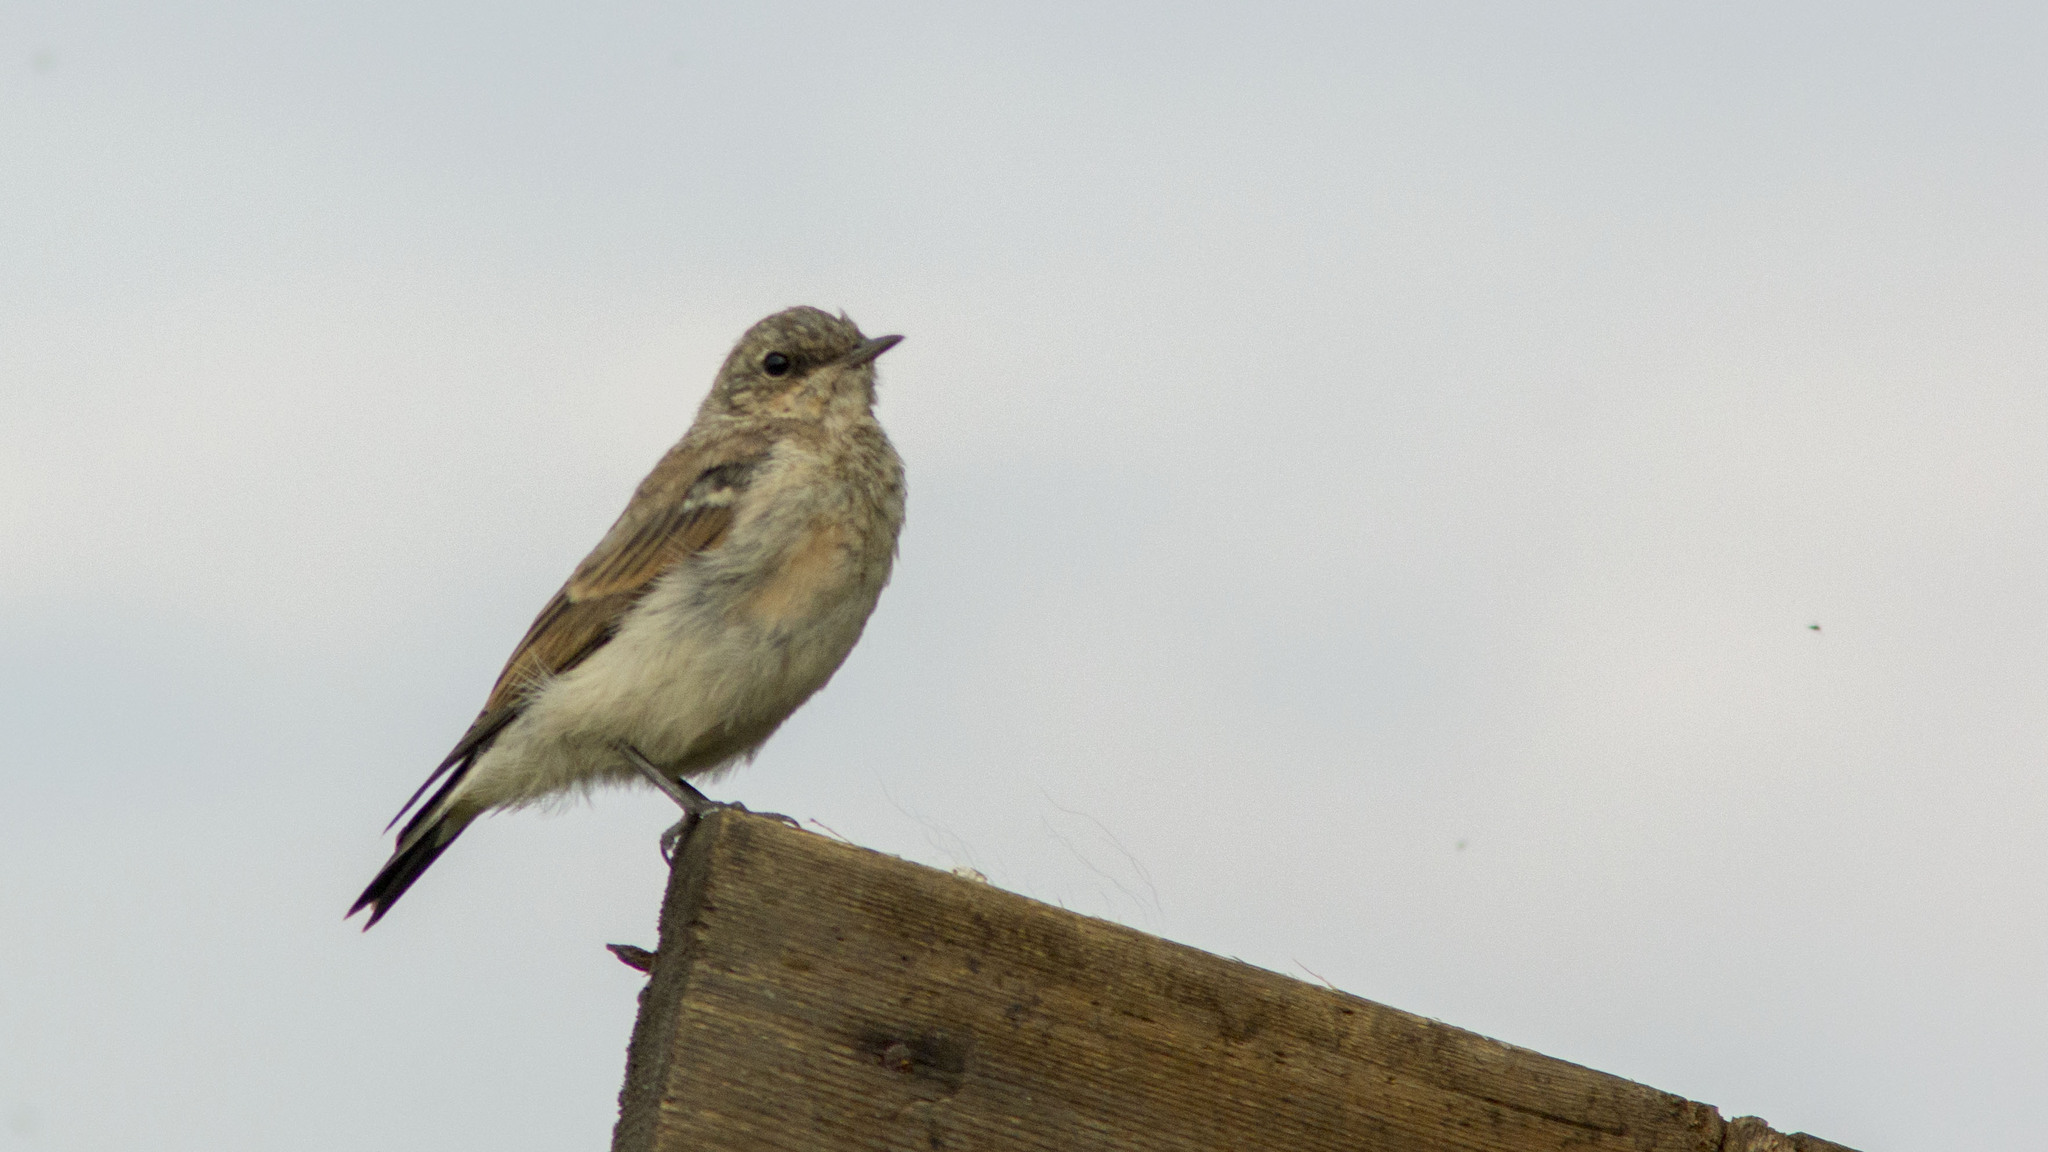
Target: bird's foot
<point>672,840</point>
<point>695,804</point>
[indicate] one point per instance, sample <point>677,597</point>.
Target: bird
<point>733,585</point>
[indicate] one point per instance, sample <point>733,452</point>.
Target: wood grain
<point>810,995</point>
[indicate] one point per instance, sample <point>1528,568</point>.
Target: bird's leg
<point>695,804</point>
<point>674,787</point>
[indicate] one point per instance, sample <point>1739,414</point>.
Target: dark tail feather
<point>403,868</point>
<point>422,842</point>
<point>471,746</point>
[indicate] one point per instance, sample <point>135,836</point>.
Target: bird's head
<point>800,363</point>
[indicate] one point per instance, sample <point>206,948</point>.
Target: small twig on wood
<point>633,956</point>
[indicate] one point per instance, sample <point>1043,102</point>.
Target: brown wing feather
<point>650,548</point>
<point>683,507</point>
<point>565,633</point>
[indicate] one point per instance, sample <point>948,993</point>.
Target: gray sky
<point>1373,472</point>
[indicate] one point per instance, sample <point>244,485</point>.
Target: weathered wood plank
<point>809,995</point>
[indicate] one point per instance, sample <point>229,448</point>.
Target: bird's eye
<point>775,364</point>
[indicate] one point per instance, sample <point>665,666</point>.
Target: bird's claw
<point>676,834</point>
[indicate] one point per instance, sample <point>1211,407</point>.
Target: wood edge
<point>1754,1134</point>
<point>652,1046</point>
<point>1807,1142</point>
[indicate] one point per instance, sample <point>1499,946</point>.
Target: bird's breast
<point>817,569</point>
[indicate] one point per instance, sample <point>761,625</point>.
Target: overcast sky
<point>1375,473</point>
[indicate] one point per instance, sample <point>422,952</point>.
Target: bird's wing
<point>684,507</point>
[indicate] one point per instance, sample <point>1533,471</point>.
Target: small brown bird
<point>732,587</point>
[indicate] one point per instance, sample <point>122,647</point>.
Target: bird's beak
<point>870,349</point>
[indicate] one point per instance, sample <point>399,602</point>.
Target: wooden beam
<point>810,995</point>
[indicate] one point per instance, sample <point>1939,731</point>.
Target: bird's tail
<point>426,836</point>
